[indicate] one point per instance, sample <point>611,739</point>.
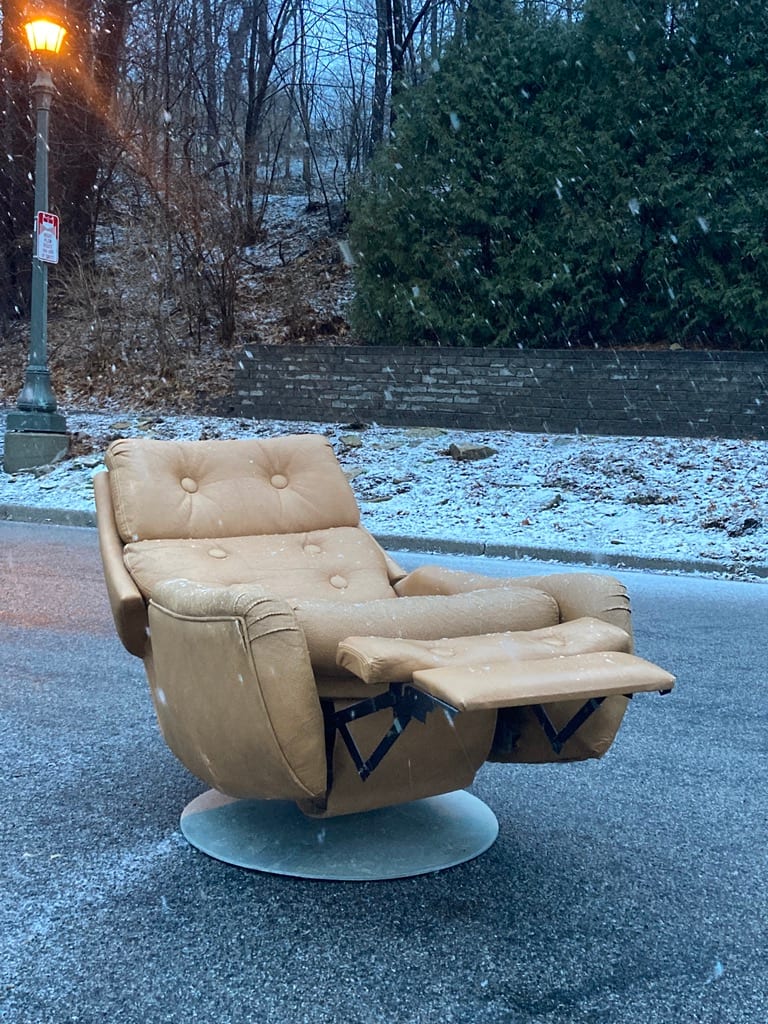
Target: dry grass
<point>139,331</point>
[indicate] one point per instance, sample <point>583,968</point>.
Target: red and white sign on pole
<point>47,237</point>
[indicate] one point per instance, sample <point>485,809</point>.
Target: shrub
<point>592,184</point>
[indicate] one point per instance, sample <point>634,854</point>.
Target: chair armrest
<point>578,594</point>
<point>234,690</point>
<point>129,609</point>
<point>587,593</point>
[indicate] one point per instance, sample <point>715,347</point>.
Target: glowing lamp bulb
<point>44,35</point>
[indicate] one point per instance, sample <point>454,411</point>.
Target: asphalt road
<point>628,891</point>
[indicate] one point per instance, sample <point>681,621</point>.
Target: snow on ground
<point>664,501</point>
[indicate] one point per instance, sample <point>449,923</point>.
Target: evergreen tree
<point>722,272</point>
<point>623,196</point>
<point>595,184</point>
<point>455,195</point>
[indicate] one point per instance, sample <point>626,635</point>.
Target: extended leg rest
<point>493,672</point>
<point>516,683</point>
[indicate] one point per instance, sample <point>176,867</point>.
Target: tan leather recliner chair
<point>282,643</point>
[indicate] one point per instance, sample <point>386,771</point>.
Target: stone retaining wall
<point>664,393</point>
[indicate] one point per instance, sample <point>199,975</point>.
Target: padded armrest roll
<point>326,623</point>
<point>577,593</point>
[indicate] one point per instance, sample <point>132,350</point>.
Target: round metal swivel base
<point>394,842</point>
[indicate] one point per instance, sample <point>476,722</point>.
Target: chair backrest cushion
<point>340,564</point>
<point>207,489</point>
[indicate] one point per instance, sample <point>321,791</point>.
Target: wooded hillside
<point>527,172</point>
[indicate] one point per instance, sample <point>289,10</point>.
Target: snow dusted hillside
<point>661,501</point>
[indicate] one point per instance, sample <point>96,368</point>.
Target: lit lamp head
<point>45,31</point>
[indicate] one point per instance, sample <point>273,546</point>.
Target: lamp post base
<point>35,420</point>
<point>28,449</point>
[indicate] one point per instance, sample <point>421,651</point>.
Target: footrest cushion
<point>380,659</point>
<point>512,684</point>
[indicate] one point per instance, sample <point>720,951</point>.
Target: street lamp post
<point>35,431</point>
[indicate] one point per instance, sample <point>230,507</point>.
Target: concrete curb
<point>572,557</point>
<point>397,542</point>
<point>49,516</point>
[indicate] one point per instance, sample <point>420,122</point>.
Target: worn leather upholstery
<point>342,563</point>
<point>198,489</point>
<point>259,715</point>
<point>235,569</point>
<point>377,659</point>
<point>326,623</point>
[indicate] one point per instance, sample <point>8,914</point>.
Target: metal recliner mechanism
<point>406,703</point>
<point>591,677</point>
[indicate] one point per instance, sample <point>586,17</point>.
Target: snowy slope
<point>608,499</point>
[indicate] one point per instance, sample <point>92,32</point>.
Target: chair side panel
<point>236,701</point>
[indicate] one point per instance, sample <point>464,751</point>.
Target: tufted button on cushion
<point>339,582</point>
<point>189,485</point>
<point>279,481</point>
<point>217,553</point>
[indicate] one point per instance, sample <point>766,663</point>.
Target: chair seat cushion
<point>340,564</point>
<point>327,623</point>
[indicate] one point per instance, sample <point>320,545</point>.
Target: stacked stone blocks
<point>659,393</point>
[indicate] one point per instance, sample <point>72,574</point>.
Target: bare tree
<point>265,39</point>
<point>16,133</point>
